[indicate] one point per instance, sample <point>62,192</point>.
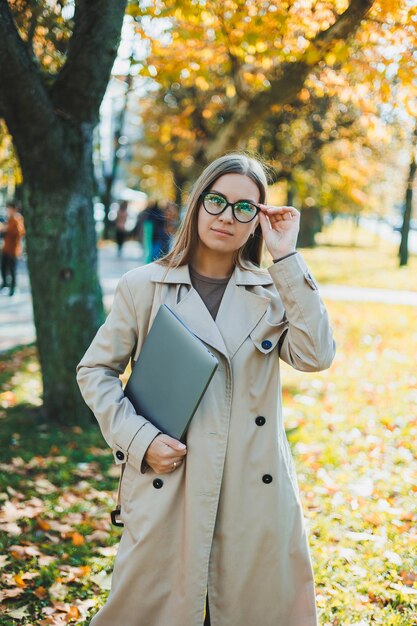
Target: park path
<point>16,316</point>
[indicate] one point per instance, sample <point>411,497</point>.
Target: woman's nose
<point>227,215</point>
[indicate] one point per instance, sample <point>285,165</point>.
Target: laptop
<point>171,375</point>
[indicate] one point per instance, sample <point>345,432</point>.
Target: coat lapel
<point>240,310</point>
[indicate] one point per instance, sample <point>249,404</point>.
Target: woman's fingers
<point>170,465</point>
<point>174,445</point>
<point>163,452</point>
<point>279,212</point>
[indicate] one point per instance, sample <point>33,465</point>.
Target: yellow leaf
<point>312,56</point>
<point>230,91</point>
<point>261,46</point>
<point>43,524</point>
<point>84,570</point>
<point>19,581</point>
<point>73,612</point>
<point>77,539</point>
<point>330,58</point>
<point>201,83</point>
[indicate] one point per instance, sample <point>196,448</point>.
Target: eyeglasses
<point>215,203</point>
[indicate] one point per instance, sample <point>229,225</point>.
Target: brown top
<point>210,290</point>
<point>13,234</point>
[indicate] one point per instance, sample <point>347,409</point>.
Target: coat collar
<point>240,310</point>
<point>181,275</point>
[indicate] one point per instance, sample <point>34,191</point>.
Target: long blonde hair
<point>187,235</point>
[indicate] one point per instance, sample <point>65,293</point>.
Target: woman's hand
<point>280,226</point>
<point>165,454</point>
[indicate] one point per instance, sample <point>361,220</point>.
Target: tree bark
<point>52,131</point>
<point>408,204</point>
<point>62,262</point>
<point>310,225</point>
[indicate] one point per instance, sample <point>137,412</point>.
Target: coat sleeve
<point>127,433</point>
<point>307,343</point>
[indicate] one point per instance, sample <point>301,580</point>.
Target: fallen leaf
<point>58,591</point>
<point>102,579</point>
<point>4,560</point>
<point>41,592</point>
<point>73,613</point>
<point>77,539</point>
<point>20,612</point>
<point>19,581</point>
<point>107,551</point>
<point>43,524</point>
<point>408,578</point>
<point>20,551</point>
<point>10,593</point>
<point>12,528</point>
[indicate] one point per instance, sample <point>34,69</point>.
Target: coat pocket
<point>288,461</point>
<point>126,483</point>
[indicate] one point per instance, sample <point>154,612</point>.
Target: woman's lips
<point>223,233</point>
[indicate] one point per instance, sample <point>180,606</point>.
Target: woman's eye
<point>245,207</point>
<point>215,200</point>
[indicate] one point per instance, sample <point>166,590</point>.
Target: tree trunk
<point>62,261</point>
<point>52,127</point>
<point>408,205</point>
<point>310,225</point>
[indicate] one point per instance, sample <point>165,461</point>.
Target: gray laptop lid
<point>171,374</point>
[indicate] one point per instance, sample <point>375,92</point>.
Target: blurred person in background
<point>12,233</point>
<point>120,225</point>
<point>152,232</point>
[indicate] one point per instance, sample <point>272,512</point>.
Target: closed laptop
<point>171,374</point>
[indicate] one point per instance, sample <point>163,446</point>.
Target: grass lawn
<point>352,430</point>
<point>353,256</point>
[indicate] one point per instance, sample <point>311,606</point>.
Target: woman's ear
<point>256,220</point>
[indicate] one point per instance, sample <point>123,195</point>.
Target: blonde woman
<point>214,528</point>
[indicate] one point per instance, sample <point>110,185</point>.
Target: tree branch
<point>24,102</point>
<point>81,83</point>
<point>289,82</point>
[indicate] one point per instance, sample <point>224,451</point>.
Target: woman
<point>121,219</point>
<point>220,519</point>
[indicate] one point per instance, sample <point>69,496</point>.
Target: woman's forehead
<point>236,186</point>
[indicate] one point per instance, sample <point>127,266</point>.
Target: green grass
<point>65,478</point>
<point>352,256</point>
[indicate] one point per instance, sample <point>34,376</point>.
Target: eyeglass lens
<point>243,211</point>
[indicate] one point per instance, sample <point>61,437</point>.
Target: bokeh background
<point>109,110</point>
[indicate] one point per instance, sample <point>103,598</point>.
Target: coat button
<point>157,483</point>
<point>120,455</point>
<point>266,344</point>
<point>260,421</point>
<point>267,478</point>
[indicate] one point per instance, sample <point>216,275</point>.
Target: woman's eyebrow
<point>240,199</point>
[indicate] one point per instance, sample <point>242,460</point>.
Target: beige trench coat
<point>229,519</point>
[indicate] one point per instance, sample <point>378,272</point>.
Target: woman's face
<point>223,233</point>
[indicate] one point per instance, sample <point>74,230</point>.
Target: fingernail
<point>181,446</point>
